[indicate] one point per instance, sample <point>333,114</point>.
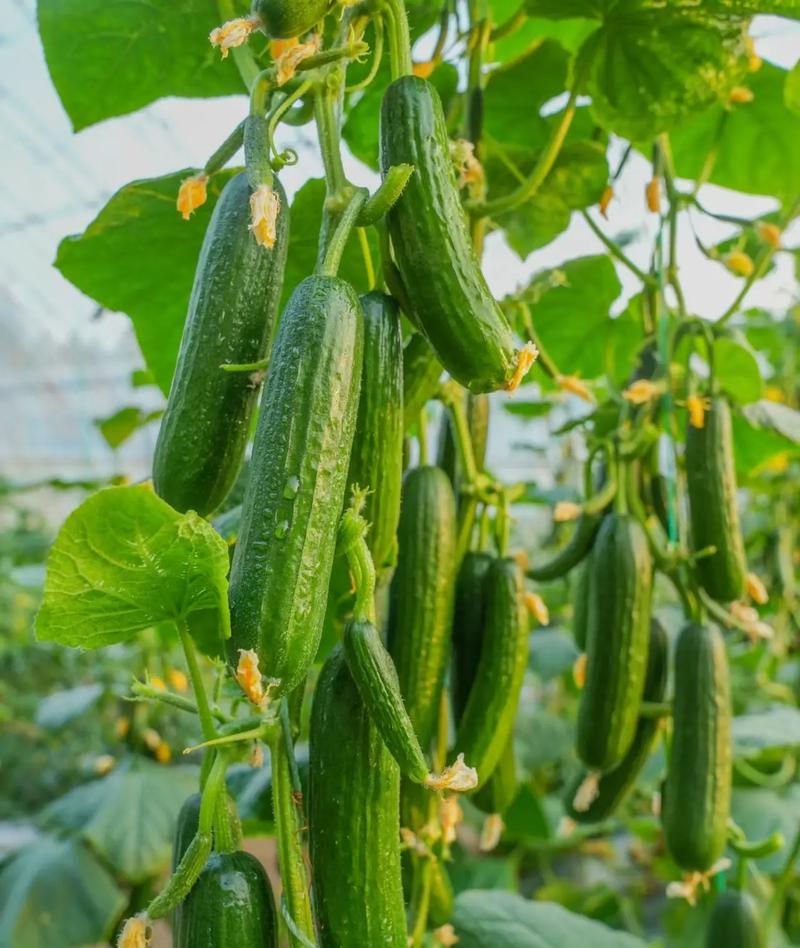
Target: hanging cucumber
<point>711,484</point>
<point>421,596</point>
<point>421,374</point>
<point>468,626</point>
<point>354,787</point>
<point>697,793</point>
<point>376,461</point>
<point>488,718</point>
<point>284,554</point>
<point>735,922</point>
<point>580,603</point>
<point>284,19</point>
<point>499,791</point>
<point>614,786</point>
<point>617,640</point>
<point>237,286</point>
<point>441,275</point>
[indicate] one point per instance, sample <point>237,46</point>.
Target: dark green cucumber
<point>237,285</point>
<point>354,788</point>
<point>697,793</point>
<point>499,791</point>
<point>735,922</point>
<point>298,477</point>
<point>185,830</point>
<point>711,485</point>
<point>580,543</point>
<point>421,374</point>
<point>421,596</point>
<point>375,676</point>
<point>433,250</point>
<point>284,19</point>
<point>488,719</point>
<point>230,906</point>
<point>580,603</point>
<point>468,627</point>
<point>615,785</point>
<point>376,461</point>
<point>617,639</point>
<point>477,411</point>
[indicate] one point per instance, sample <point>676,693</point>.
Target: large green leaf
<point>123,562</point>
<point>488,919</point>
<point>559,9</point>
<point>776,729</point>
<point>791,89</point>
<point>755,445</point>
<point>648,71</point>
<point>761,812</point>
<point>55,894</point>
<point>571,315</point>
<point>61,707</point>
<point>736,369</point>
<point>138,256</point>
<point>757,149</point>
<point>128,817</point>
<point>110,57</point>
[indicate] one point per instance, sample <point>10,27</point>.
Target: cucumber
<point>375,676</point>
<point>354,787</point>
<point>298,476</point>
<point>580,604</point>
<point>579,545</point>
<point>421,595</point>
<point>376,461</point>
<point>206,424</point>
<point>185,829</point>
<point>441,275</point>
<point>697,793</point>
<point>421,374</point>
<point>284,19</point>
<point>477,411</point>
<point>711,485</point>
<point>617,639</point>
<point>230,906</point>
<point>735,922</point>
<point>615,785</point>
<point>468,627</point>
<point>499,791</point>
<point>488,718</point>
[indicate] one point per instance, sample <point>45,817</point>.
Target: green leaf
<point>128,817</point>
<point>791,89</point>
<point>544,738</point>
<point>117,428</point>
<point>528,409</point>
<point>138,256</point>
<point>109,57</point>
<point>484,872</point>
<point>736,369</point>
<point>55,894</point>
<point>61,707</point>
<point>757,148</point>
<point>756,447</point>
<point>553,654</point>
<point>650,70</point>
<point>777,728</point>
<point>489,919</point>
<point>761,812</point>
<point>562,9</point>
<point>123,562</point>
<point>773,416</point>
<point>571,314</point>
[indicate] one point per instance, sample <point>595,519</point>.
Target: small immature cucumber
<point>617,641</point>
<point>615,785</point>
<point>579,545</point>
<point>697,793</point>
<point>421,595</point>
<point>421,374</point>
<point>298,477</point>
<point>284,19</point>
<point>354,788</point>
<point>499,791</point>
<point>711,483</point>
<point>430,236</point>
<point>488,719</point>
<point>469,626</point>
<point>375,676</point>
<point>735,922</point>
<point>230,906</point>
<point>580,603</point>
<point>185,830</point>
<point>376,461</point>
<point>236,290</point>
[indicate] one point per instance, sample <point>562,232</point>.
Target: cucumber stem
<point>399,38</point>
<point>385,197</point>
<point>280,110</point>
<point>203,708</point>
<point>422,437</point>
<point>144,692</point>
<point>377,56</point>
<point>617,253</point>
<point>335,249</point>
<point>326,95</point>
<point>226,150</point>
<point>511,25</point>
<point>420,900</point>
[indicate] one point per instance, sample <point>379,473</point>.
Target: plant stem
<point>145,692</point>
<point>226,151</point>
<point>203,708</point>
<point>335,249</point>
<point>420,900</point>
<point>243,56</point>
<point>617,253</point>
<point>511,25</point>
<point>399,38</point>
<point>280,110</point>
<point>326,95</point>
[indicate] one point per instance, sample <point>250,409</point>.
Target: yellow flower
<point>652,193</point>
<point>249,677</point>
<point>491,831</point>
<point>278,47</point>
<point>458,777</point>
<point>537,608</point>
<point>739,263</point>
<point>450,815</point>
<point>122,727</point>
<point>770,234</point>
<point>566,510</point>
<point>158,683</point>
<point>286,64</point>
<point>756,590</point>
<point>233,33</point>
<point>579,670</point>
<point>446,935</point>
<point>573,385</point>
<point>192,194</point>
<point>526,356</point>
<point>697,408</point>
<point>163,753</point>
<point>265,205</point>
<point>688,887</point>
<point>103,764</point>
<point>178,680</point>
<point>774,393</point>
<point>740,95</point>
<point>641,391</point>
<point>605,200</point>
<point>151,738</point>
<point>778,464</point>
<point>469,170</point>
<point>423,70</point>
